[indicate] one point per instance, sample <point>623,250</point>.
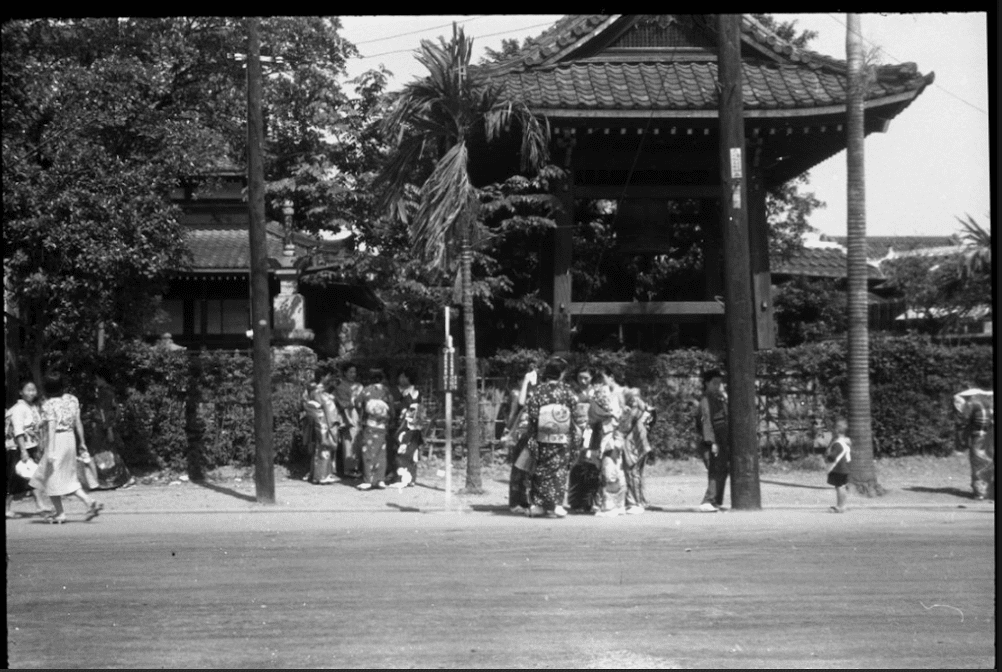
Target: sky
<point>930,167</point>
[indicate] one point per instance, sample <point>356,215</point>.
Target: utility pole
<point>264,468</point>
<point>739,326</point>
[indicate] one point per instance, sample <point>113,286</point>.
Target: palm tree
<point>977,259</point>
<point>863,473</point>
<point>437,119</point>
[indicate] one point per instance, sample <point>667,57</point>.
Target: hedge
<point>193,411</point>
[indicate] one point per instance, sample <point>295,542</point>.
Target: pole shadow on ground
<point>225,491</point>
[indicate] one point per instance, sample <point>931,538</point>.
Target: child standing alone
<point>838,456</point>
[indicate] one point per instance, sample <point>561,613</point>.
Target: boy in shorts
<point>838,457</point>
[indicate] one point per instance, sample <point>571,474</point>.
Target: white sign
<point>736,162</point>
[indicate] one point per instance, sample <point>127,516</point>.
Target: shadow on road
<point>496,509</point>
<point>403,509</point>
<point>956,492</point>
<point>225,491</point>
<point>796,485</point>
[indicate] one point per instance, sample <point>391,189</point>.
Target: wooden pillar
<point>758,240</point>
<point>563,237</point>
<point>713,271</point>
<point>264,456</point>
<point>738,317</point>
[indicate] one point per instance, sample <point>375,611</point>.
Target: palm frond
<point>446,199</point>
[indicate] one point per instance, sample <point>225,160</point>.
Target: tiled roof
<point>878,246</point>
<point>228,247</point>
<point>683,86</point>
<point>783,78</point>
<point>819,263</point>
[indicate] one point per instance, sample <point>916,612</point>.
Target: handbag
<point>26,469</point>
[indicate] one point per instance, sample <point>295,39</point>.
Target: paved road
<point>776,588</point>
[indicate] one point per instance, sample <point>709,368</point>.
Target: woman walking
<point>24,424</point>
<point>976,408</point>
<point>374,406</point>
<point>57,473</point>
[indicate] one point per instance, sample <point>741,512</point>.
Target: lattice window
<point>663,31</point>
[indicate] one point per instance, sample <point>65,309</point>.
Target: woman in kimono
<point>56,475</point>
<point>374,404</point>
<point>517,438</point>
<point>319,432</point>
<point>976,410</point>
<point>553,440</point>
<point>348,461</point>
<point>408,436</point>
<point>638,416</point>
<point>585,479</point>
<point>607,442</point>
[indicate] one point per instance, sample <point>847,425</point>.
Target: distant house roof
<point>227,247</point>
<point>877,247</point>
<point>825,262</point>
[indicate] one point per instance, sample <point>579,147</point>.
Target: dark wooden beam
<point>644,308</point>
<point>610,191</point>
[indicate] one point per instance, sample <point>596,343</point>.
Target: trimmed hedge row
<point>193,412</point>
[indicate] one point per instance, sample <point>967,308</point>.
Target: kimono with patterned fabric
<point>375,406</point>
<point>634,425</point>
<point>553,441</point>
<point>585,477</point>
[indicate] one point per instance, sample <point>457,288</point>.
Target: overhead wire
<point>476,37</point>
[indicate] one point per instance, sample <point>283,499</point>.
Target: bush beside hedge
<point>194,411</point>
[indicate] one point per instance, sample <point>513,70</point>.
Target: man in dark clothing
<point>716,450</point>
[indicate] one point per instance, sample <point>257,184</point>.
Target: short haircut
<point>410,373</point>
<point>53,384</point>
<point>349,365</point>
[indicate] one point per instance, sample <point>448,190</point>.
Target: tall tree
<point>436,120</point>
<point>863,473</point>
<point>101,117</point>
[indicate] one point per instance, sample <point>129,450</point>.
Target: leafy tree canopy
<point>101,117</point>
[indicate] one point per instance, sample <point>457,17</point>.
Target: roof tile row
<point>675,85</point>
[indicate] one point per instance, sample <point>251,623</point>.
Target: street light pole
<point>264,468</point>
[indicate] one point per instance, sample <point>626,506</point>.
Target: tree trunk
<point>474,484</point>
<point>862,471</point>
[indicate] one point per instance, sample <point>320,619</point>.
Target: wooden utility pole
<point>862,471</point>
<point>739,326</point>
<point>264,468</point>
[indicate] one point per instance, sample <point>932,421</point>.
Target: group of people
<point>585,439</point>
<point>47,451</point>
<point>371,433</point>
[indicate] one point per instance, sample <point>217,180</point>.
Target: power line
<point>423,30</point>
<point>476,37</point>
<point>895,58</point>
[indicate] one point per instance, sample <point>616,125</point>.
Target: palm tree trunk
<point>863,472</point>
<point>474,484</point>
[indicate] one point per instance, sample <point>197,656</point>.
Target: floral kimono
<point>585,477</point>
<point>408,437</point>
<point>348,459</point>
<point>553,441</point>
<point>374,405</point>
<point>638,416</point>
<point>319,432</point>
